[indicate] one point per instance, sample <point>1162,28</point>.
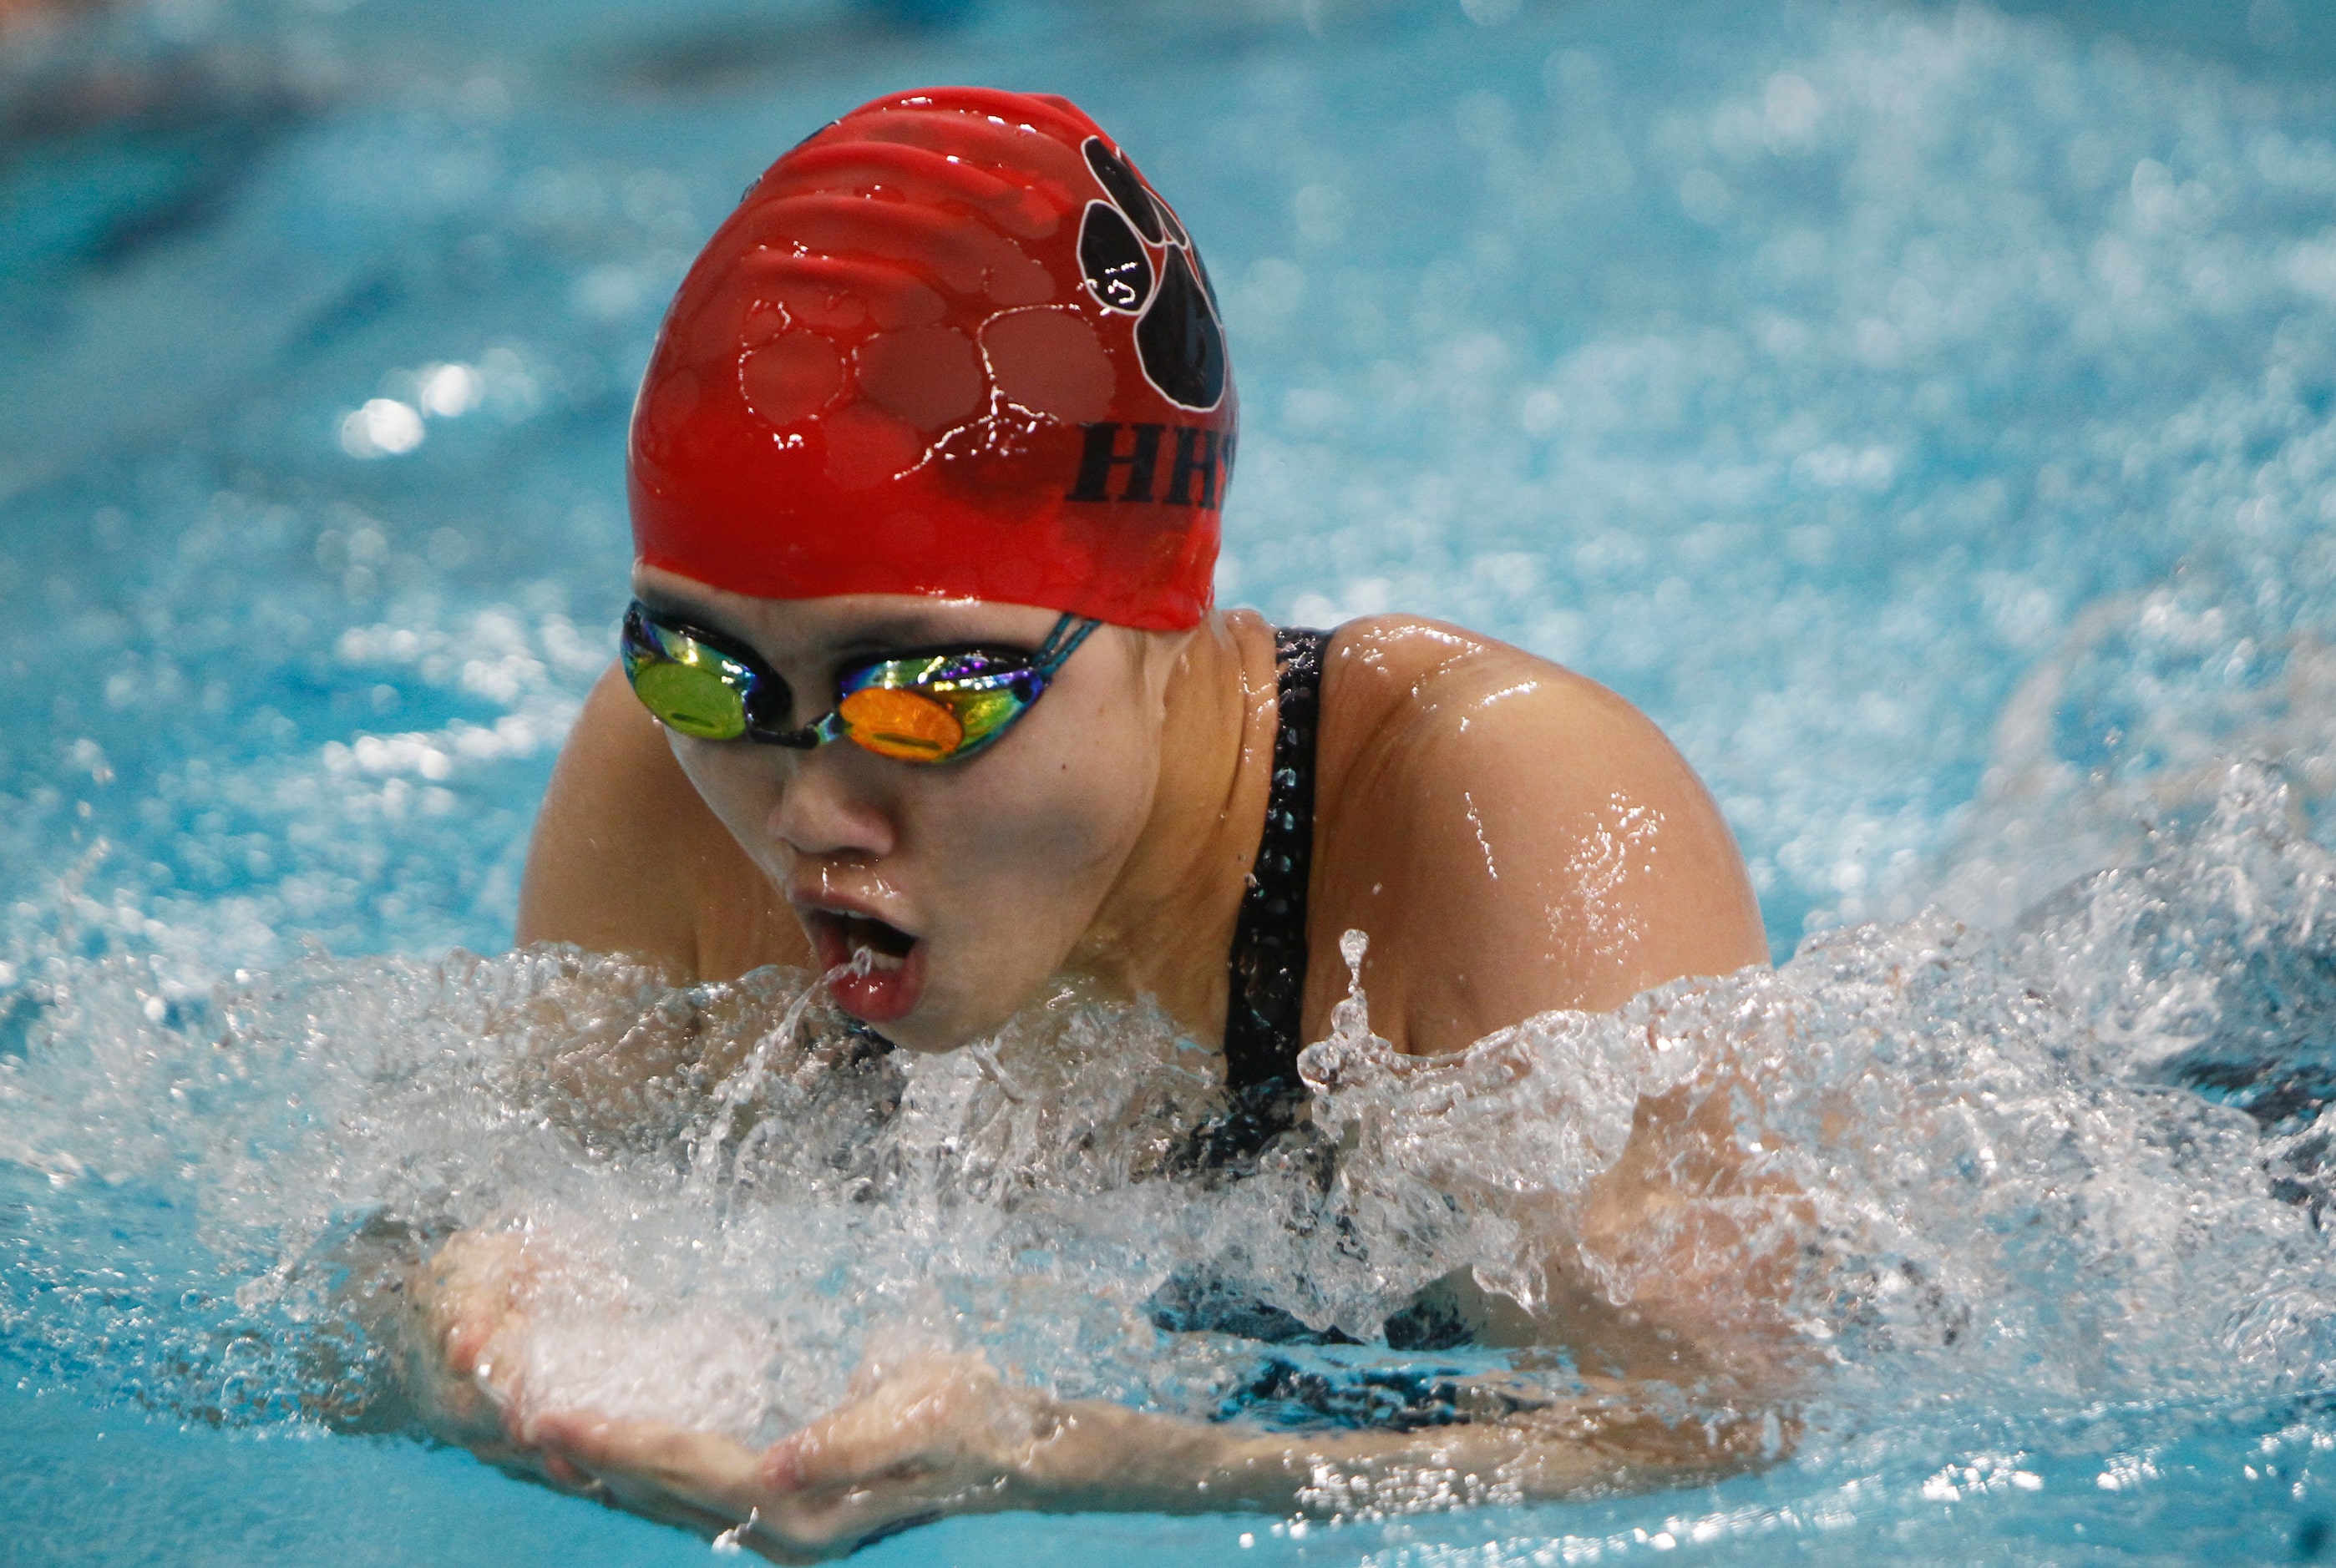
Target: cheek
<point>1053,828</point>
<point>1046,831</point>
<point>738,793</point>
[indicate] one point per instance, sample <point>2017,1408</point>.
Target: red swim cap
<point>950,344</point>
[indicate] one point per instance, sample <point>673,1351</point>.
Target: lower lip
<point>879,996</point>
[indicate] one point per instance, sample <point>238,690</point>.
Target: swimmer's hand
<point>466,1319</point>
<point>940,1435</point>
<point>932,1435</point>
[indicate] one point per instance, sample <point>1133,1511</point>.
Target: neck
<point>1166,927</point>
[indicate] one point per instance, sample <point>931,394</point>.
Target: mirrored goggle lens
<point>928,709</point>
<point>696,699</point>
<point>910,725</point>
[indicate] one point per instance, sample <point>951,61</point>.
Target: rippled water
<point>1926,414</point>
<point>2053,1196</point>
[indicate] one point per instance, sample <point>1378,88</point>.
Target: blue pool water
<point>1927,414</point>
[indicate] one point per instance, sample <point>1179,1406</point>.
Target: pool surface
<point>1927,414</point>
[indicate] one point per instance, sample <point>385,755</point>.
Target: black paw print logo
<point>1179,339</point>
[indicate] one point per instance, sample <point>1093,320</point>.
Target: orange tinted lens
<point>909,726</point>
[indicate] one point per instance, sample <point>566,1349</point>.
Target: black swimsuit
<point>1264,1032</point>
<point>1263,1014</point>
<point>1266,1000</point>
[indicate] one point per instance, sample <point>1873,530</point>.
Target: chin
<point>936,1029</point>
<point>921,1038</point>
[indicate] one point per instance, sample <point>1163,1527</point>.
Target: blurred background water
<point>1926,412</point>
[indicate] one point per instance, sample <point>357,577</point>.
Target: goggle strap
<point>1058,648</point>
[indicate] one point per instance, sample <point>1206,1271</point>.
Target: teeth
<point>872,946</point>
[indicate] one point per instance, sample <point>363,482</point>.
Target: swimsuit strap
<point>1266,996</point>
<point>1264,1011</point>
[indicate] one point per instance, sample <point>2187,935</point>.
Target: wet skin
<point>1513,838</point>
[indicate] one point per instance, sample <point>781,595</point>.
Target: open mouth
<point>887,946</point>
<point>884,968</point>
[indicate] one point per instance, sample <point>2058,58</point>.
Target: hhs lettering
<point>1199,455</point>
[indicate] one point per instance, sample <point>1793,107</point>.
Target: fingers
<point>696,1480</point>
<point>936,1417</point>
<point>470,1303</point>
<point>469,1287</point>
<point>467,1319</point>
<point>705,1467</point>
<point>933,1437</point>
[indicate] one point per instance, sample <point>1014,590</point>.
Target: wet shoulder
<point>627,859</point>
<point>1423,697</point>
<point>1511,835</point>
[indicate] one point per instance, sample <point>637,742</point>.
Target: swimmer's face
<point>970,882</point>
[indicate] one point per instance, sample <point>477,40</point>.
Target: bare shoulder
<point>1403,684</point>
<point>1416,708</point>
<point>1513,835</point>
<point>627,859</point>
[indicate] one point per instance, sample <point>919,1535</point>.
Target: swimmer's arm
<point>946,1436</point>
<point>1618,875</point>
<point>1539,845</point>
<point>627,859</point>
<point>601,868</point>
<point>1108,1455</point>
<point>1521,840</point>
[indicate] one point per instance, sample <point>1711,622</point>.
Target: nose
<point>823,809</point>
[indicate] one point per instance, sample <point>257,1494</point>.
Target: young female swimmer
<point>926,474</point>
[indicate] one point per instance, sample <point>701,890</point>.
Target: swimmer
<point>924,682</point>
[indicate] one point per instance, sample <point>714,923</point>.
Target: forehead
<point>787,629</point>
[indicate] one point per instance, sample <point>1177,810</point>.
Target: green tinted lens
<point>694,699</point>
<point>985,712</point>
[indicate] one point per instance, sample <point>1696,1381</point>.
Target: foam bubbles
<point>2014,1180</point>
<point>1924,414</point>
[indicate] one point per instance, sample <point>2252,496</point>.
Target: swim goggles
<point>926,705</point>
